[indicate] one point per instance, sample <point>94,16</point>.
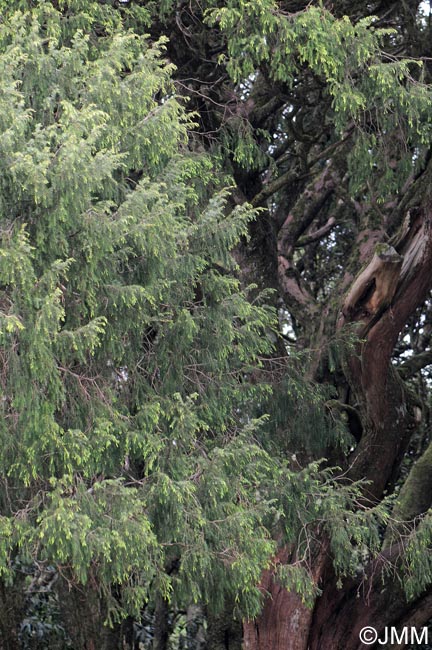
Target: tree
<point>125,338</point>
<point>131,452</point>
<point>323,114</point>
<point>162,431</point>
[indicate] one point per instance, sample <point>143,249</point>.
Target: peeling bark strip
<point>382,298</point>
<point>386,411</point>
<point>373,290</point>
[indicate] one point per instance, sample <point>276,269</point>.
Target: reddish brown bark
<point>385,409</point>
<point>341,614</point>
<point>285,620</point>
<point>381,299</point>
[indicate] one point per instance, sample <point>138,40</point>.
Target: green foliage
<point>371,92</point>
<point>418,559</point>
<point>334,505</point>
<point>42,625</point>
<point>128,344</point>
<point>135,453</point>
<point>126,339</point>
<point>296,578</point>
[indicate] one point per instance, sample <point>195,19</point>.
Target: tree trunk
<point>390,288</point>
<point>195,632</point>
<point>12,608</point>
<point>223,632</point>
<point>275,629</point>
<point>84,616</point>
<point>161,624</point>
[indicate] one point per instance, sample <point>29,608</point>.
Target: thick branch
<point>317,235</point>
<point>415,497</point>
<point>386,409</point>
<point>294,290</point>
<point>419,613</point>
<point>414,364</point>
<point>274,186</point>
<point>304,213</point>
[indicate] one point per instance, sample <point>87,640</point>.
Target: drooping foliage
<point>126,342</point>
<point>132,456</point>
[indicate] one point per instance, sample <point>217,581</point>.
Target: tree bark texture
<point>12,608</point>
<point>84,616</point>
<point>223,631</point>
<point>381,299</point>
<point>161,626</point>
